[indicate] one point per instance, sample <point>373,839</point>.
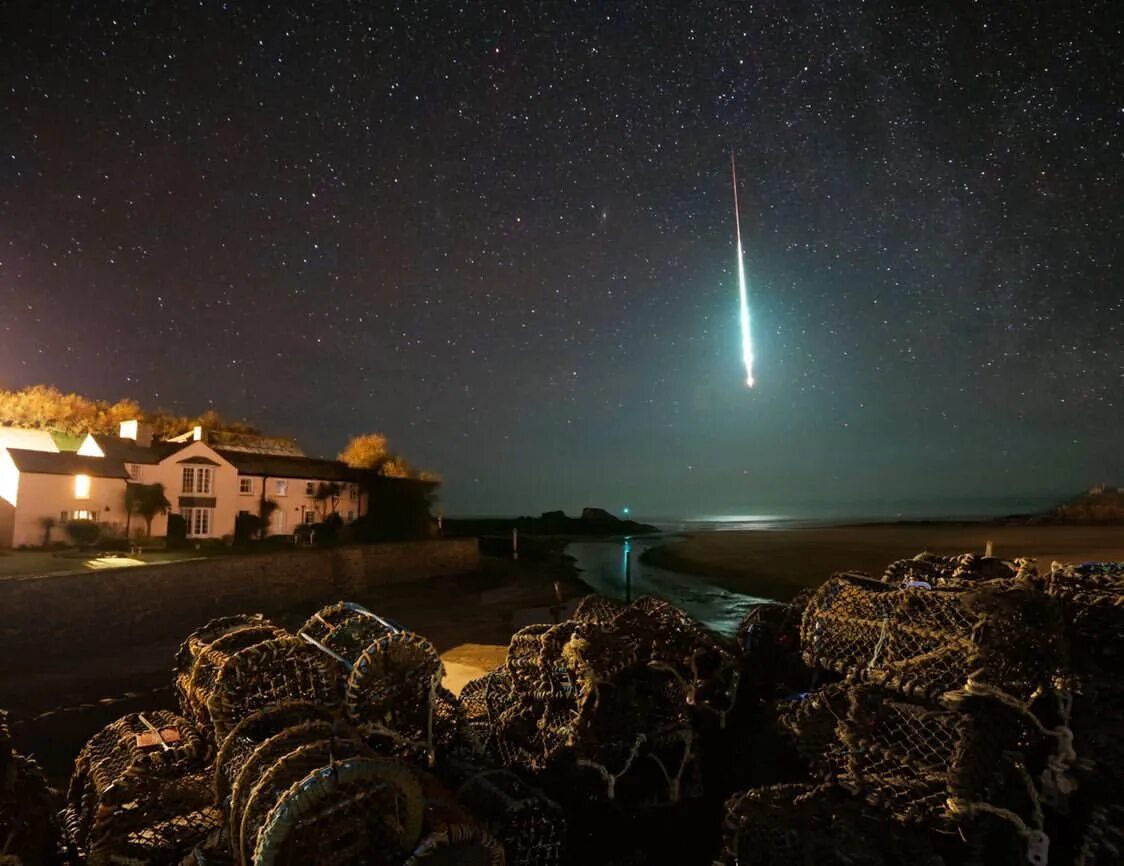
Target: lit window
<point>81,486</point>
<point>310,488</point>
<point>281,487</point>
<point>81,514</point>
<point>245,485</point>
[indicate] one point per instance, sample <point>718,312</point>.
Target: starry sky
<point>503,236</point>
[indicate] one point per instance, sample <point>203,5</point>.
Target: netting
<point>802,825</point>
<point>812,720</point>
<point>1092,599</point>
<point>924,642</point>
<point>268,674</point>
<point>451,837</point>
<point>530,826</point>
<point>930,570</point>
<point>255,729</point>
<point>203,655</point>
<point>339,812</point>
<point>28,829</point>
<point>391,677</point>
<point>597,608</point>
<point>140,791</point>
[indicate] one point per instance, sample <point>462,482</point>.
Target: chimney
<point>197,433</point>
<point>138,431</point>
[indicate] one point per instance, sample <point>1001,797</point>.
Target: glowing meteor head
<point>749,382</point>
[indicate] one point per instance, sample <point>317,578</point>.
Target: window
<point>81,486</point>
<point>198,521</point>
<point>350,516</point>
<point>353,491</point>
<point>310,516</point>
<point>281,487</point>
<point>245,485</point>
<point>82,514</point>
<point>197,479</point>
<point>135,471</point>
<point>310,488</point>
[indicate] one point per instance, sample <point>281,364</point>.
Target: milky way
<point>501,236</point>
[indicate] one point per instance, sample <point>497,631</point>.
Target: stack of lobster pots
<point>939,720</point>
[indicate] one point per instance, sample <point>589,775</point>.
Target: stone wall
<point>144,604</point>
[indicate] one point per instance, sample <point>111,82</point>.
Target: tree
<point>145,500</point>
<point>83,532</point>
<point>372,451</point>
<point>329,491</point>
<point>47,524</point>
<point>265,511</point>
<point>368,451</point>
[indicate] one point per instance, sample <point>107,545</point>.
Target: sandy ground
<point>779,564</point>
<point>469,619</point>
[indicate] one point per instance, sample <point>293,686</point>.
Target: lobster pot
<point>1092,599</point>
<point>663,636</point>
<point>267,674</point>
<point>941,765</point>
<point>391,695</point>
<point>530,826</point>
<point>924,642</point>
<point>27,809</point>
<point>203,654</point>
<point>482,704</point>
<point>798,825</point>
<point>1097,721</point>
<point>257,728</point>
<point>346,628</point>
<point>597,609</point>
<point>306,796</point>
<point>811,721</point>
<point>967,568</point>
<point>390,678</point>
<point>141,792</point>
<point>1102,838</point>
<point>451,837</point>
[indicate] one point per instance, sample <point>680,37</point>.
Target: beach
<point>779,563</point>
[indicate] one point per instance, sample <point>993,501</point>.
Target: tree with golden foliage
<point>44,407</point>
<point>372,451</point>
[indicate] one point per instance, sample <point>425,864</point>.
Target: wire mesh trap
<point>141,791</point>
<point>929,570</point>
<point>530,826</point>
<point>29,831</point>
<point>390,677</point>
<point>924,642</point>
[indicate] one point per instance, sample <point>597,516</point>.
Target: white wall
<point>224,489</point>
<point>295,503</point>
<point>49,495</point>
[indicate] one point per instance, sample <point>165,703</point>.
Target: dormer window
<point>81,486</point>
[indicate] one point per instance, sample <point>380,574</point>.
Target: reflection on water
<point>614,569</point>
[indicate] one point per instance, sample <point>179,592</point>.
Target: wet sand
<point>779,563</point>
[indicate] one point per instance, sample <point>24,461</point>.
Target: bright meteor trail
<point>743,293</point>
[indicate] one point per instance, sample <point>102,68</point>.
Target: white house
<point>207,486</point>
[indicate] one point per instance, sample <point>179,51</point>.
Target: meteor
<point>743,293</point>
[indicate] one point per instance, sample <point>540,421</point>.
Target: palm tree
<point>329,491</point>
<point>146,500</point>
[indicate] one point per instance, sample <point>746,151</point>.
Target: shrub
<point>246,527</point>
<point>82,532</point>
<point>177,530</point>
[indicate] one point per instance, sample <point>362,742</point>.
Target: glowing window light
<point>81,486</point>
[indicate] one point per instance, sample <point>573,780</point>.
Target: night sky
<point>504,237</point>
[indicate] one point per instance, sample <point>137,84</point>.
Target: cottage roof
<point>128,451</point>
<point>281,466</point>
<point>66,463</point>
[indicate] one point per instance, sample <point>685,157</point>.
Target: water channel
<point>613,568</point>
